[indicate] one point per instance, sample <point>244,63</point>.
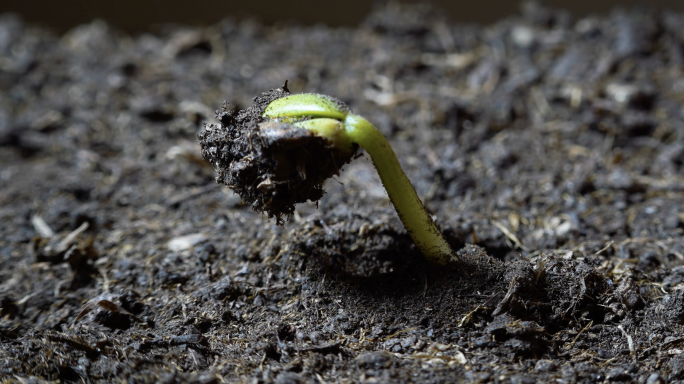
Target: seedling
<point>301,133</point>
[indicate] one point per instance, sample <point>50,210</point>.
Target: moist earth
<point>549,150</point>
<point>271,165</point>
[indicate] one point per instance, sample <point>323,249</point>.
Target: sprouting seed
<point>298,141</point>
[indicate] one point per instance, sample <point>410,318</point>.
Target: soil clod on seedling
<point>271,165</point>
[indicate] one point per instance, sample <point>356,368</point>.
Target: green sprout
<point>331,119</point>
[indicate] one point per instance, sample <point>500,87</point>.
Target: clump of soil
<point>271,165</point>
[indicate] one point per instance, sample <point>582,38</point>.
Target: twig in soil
<point>26,298</point>
<point>468,316</point>
<point>64,244</point>
<point>669,346</point>
<point>608,361</point>
<point>105,279</point>
<point>509,234</point>
<point>659,285</point>
<point>569,347</point>
<point>487,305</point>
<point>604,248</point>
<point>630,342</point>
<point>42,227</point>
<point>397,333</point>
<point>320,378</point>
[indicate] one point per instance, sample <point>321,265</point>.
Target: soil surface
<point>550,151</point>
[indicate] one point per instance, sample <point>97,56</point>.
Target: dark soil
<point>550,151</point>
<point>271,165</point>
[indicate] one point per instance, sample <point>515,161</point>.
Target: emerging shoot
<point>302,140</point>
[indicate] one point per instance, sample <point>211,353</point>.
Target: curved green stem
<point>410,209</point>
<point>333,120</point>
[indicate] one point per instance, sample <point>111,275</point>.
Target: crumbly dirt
<point>550,151</point>
<point>271,165</point>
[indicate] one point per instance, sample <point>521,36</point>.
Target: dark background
<point>140,15</point>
